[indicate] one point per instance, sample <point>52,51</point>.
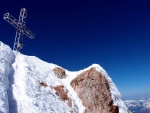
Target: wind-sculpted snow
<point>29,72</point>
<point>6,58</point>
<point>30,85</point>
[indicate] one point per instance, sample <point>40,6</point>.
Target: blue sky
<point>76,34</point>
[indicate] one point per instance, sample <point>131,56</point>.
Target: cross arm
<point>11,19</point>
<point>29,33</point>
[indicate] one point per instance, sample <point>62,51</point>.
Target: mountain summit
<point>30,85</point>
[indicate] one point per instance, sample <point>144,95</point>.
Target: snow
<point>20,89</point>
<point>23,94</point>
<point>6,56</point>
<point>147,104</point>
<point>33,98</point>
<point>140,106</point>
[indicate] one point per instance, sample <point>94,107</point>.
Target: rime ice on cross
<point>20,27</point>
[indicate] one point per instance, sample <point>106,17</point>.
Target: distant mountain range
<point>138,106</point>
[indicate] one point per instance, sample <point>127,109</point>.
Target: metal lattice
<point>20,27</point>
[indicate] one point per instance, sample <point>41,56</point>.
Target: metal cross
<point>20,27</point>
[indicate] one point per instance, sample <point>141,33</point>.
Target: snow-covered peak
<point>147,104</point>
<point>30,85</point>
<point>140,106</point>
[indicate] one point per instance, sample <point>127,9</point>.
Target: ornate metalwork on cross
<point>20,27</point>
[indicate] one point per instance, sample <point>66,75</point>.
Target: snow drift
<point>30,85</point>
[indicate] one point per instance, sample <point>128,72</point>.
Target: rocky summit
<point>30,85</point>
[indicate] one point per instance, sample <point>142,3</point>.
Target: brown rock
<point>93,89</point>
<point>43,84</point>
<point>63,94</point>
<point>60,72</point>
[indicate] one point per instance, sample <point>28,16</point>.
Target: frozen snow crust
<point>6,59</point>
<point>20,91</point>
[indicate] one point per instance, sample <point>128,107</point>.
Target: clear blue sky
<point>77,33</point>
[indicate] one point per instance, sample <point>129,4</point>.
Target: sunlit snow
<point>20,91</point>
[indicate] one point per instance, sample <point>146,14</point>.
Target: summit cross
<point>20,27</point>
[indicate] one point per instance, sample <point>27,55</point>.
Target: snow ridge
<point>29,71</point>
<point>21,92</point>
<point>6,59</point>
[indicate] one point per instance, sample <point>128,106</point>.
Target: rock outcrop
<point>63,94</point>
<point>93,89</point>
<point>59,72</point>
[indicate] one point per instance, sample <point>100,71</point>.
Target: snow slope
<point>21,92</point>
<point>6,59</point>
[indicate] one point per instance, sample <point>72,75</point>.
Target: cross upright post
<point>20,27</point>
